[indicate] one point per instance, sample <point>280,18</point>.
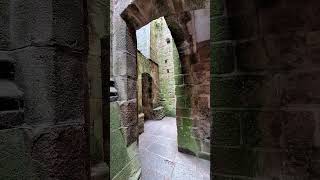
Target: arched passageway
<point>192,89</point>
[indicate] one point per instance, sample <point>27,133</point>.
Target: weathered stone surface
<point>10,119</point>
<point>287,52</point>
<point>69,23</point>
<point>62,151</point>
<point>53,83</point>
<point>125,87</point>
<point>243,27</point>
<point>16,161</point>
<point>54,22</point>
<point>286,20</point>
<point>222,58</point>
<point>307,91</point>
<point>4,24</point>
<point>158,113</point>
<point>245,91</point>
<point>124,65</point>
<point>129,114</point>
<point>226,129</point>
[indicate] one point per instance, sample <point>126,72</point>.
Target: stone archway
<point>192,111</point>
<point>136,15</point>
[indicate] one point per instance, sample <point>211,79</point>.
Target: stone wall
<point>263,89</point>
<point>191,31</point>
<point>124,132</point>
<point>148,66</point>
<point>44,133</point>
<point>162,51</point>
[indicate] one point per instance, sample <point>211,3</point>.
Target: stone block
<point>126,88</point>
<point>313,38</point>
<point>16,161</point>
<point>246,91</point>
<point>201,67</point>
<point>201,77</point>
<point>62,151</point>
<point>244,27</point>
<point>29,26</point>
<point>54,22</point>
<point>158,113</point>
<point>114,116</point>
<point>123,40</point>
<point>124,64</point>
<point>10,119</point>
<point>220,29</point>
<point>183,90</point>
<point>252,56</point>
<point>287,19</point>
<point>222,58</point>
<point>226,129</point>
<point>131,134</point>
<point>203,49</point>
<point>128,111</point>
<point>301,88</point>
<point>234,161</point>
<point>68,23</point>
<point>53,83</point>
<point>298,131</point>
<point>187,79</point>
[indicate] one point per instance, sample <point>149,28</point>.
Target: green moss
<point>124,161</point>
<point>186,140</point>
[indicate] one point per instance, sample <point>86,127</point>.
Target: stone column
<point>46,41</point>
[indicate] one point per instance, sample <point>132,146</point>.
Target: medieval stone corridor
<point>160,158</point>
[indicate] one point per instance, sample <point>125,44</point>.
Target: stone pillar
<point>47,45</point>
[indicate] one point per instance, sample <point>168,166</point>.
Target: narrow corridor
<point>160,158</point>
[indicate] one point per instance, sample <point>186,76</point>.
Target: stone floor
<point>160,158</point>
